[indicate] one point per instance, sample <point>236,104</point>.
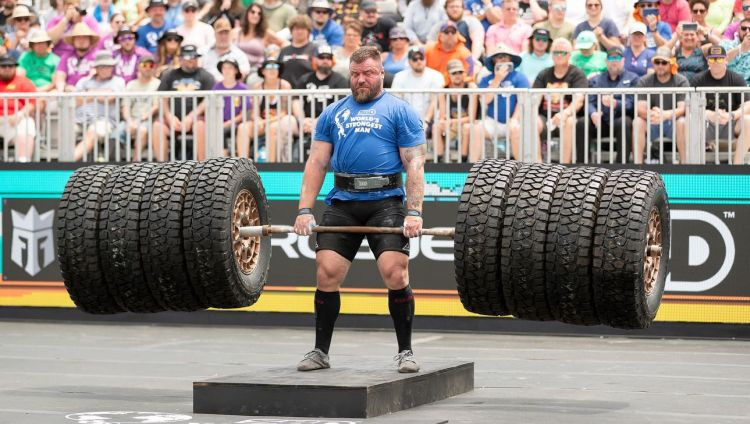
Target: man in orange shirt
<point>16,123</point>
<point>449,46</point>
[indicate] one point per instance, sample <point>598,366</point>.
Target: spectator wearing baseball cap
<point>39,62</point>
<point>509,30</point>
<point>458,115</point>
<point>324,29</point>
<point>468,26</point>
<point>138,113</point>
<point>587,56</point>
<point>395,60</point>
<point>278,13</point>
<point>421,16</point>
<point>16,124</point>
<point>449,45</point>
<point>224,48</point>
<point>187,114</point>
<point>193,30</point>
<point>375,28</point>
<point>150,33</point>
<point>658,33</point>
<point>637,56</point>
<point>128,55</point>
<point>538,57</point>
<point>419,76</point>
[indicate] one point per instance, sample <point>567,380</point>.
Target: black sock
<point>327,305</point>
<point>401,306</point>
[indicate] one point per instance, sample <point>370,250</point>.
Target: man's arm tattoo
<point>413,158</point>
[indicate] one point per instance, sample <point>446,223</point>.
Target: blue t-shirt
<point>366,138</point>
<point>663,29</point>
<point>332,34</point>
<point>476,7</point>
<point>640,64</point>
<point>514,80</point>
<point>148,36</point>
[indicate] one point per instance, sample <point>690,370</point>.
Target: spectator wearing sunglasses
<point>538,57</point>
<point>419,76</point>
<point>138,112</point>
<point>459,114</point>
<point>698,13</point>
<point>658,33</point>
<point>448,46</point>
<point>468,26</point>
<point>556,23</point>
<point>673,12</point>
<point>738,51</point>
<point>733,29</point>
<point>604,29</point>
<point>168,52</point>
<point>128,56</point>
<point>107,42</point>
<point>719,14</point>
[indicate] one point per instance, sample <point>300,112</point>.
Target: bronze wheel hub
<point>653,251</point>
<point>246,249</point>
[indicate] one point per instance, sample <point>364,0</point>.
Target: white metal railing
<point>270,125</point>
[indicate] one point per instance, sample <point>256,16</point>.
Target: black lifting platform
<point>343,391</point>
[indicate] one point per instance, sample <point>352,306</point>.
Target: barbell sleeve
<point>267,230</point>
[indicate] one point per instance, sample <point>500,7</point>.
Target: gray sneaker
<point>406,362</point>
<point>316,359</point>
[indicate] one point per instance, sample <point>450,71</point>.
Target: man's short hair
<point>355,25</point>
<point>301,21</point>
<point>449,1</point>
<point>561,41</point>
<point>363,53</point>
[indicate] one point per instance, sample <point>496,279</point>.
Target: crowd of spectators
<point>106,46</point>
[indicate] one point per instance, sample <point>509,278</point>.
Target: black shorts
<point>388,212</point>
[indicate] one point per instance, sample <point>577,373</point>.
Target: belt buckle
<point>369,183</point>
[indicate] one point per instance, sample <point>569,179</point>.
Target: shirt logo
<point>344,116</point>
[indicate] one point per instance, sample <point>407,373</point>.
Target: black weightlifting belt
<point>366,182</point>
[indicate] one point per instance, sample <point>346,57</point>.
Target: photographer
<point>59,26</point>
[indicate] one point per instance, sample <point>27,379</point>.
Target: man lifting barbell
<point>369,138</point>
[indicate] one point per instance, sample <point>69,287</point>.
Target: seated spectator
<point>174,16</point>
<point>459,115</point>
<point>376,28</point>
<point>510,30</point>
<point>234,111</point>
<point>5,13</point>
<point>658,33</point>
<point>324,29</point>
<point>532,11</point>
<point>224,49</point>
<point>503,112</point>
<point>254,37</point>
<point>488,12</point>
<point>186,116</point>
<point>102,11</point>
<point>193,30</point>
<point>561,109</point>
<point>721,113</point>
<point>17,126</point>
<point>270,117</point>
<point>39,62</point>
<point>278,13</point>
<point>97,116</point>
<point>231,10</point>
<point>421,16</point>
<point>419,77</point>
<point>19,36</point>
<point>734,28</point>
<point>658,110</point>
<point>587,56</point>
<point>128,56</point>
<point>168,52</point>
<point>448,46</point>
<point>738,51</point>
<point>297,56</point>
<point>133,11</point>
<point>107,41</point>
<point>60,26</point>
<point>608,116</point>
<point>556,24</point>
<point>138,112</point>
<point>637,56</point>
<point>688,53</point>
<point>80,62</point>
<point>538,57</point>
<point>150,33</point>
<point>468,26</point>
<point>621,12</point>
<point>719,14</point>
<point>395,60</point>
<point>673,12</point>
<point>352,41</point>
<point>604,29</point>
<point>698,11</point>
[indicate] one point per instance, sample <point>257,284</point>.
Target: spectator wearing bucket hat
<point>376,28</point>
<point>236,108</point>
<point>637,55</point>
<point>502,122</point>
<point>17,125</point>
<point>168,51</point>
<point>587,56</point>
<point>150,33</point>
<point>421,16</point>
<point>458,114</point>
<point>39,62</point>
<point>448,46</point>
<point>128,56</point>
<point>79,63</point>
<point>187,114</point>
<point>468,26</point>
<point>138,113</point>
<point>61,25</point>
<point>510,30</point>
<point>538,57</point>
<point>97,118</point>
<point>278,13</point>
<point>324,29</point>
<point>224,48</point>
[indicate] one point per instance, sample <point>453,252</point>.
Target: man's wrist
<point>304,211</point>
<point>414,212</point>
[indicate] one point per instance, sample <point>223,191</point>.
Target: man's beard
<point>325,69</point>
<point>362,96</point>
<point>8,77</point>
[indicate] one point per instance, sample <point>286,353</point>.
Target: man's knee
<point>393,268</point>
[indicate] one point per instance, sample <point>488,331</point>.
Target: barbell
<point>580,245</point>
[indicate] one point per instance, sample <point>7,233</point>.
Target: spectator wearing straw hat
<point>39,62</point>
<point>224,48</point>
<point>19,36</point>
<point>97,117</point>
<point>449,45</point>
<point>128,56</point>
<point>324,29</point>
<point>59,27</point>
<point>79,63</point>
<point>149,34</point>
<point>16,123</point>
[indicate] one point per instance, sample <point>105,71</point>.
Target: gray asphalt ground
<point>59,372</point>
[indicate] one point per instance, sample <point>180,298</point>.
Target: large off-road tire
<point>523,247</point>
<point>570,242</point>
<point>161,241</point>
<point>478,233</point>
<point>78,250</point>
<point>632,241</point>
<point>119,239</point>
<point>226,270</point>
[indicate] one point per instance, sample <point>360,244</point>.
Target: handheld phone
<point>650,11</point>
<point>499,66</point>
<point>690,26</point>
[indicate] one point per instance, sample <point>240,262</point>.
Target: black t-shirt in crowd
<point>310,81</point>
<point>297,62</point>
<point>574,78</point>
<point>378,33</point>
<point>179,80</point>
<point>730,79</point>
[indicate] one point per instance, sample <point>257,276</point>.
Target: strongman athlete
<point>368,138</point>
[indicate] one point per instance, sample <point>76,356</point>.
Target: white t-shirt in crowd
<point>406,79</point>
<point>200,35</point>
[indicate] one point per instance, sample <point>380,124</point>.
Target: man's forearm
<point>413,158</point>
<point>312,181</point>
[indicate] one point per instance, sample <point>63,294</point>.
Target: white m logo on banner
<point>32,233</point>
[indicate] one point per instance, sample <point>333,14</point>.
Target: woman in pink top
<point>674,12</point>
<point>254,36</point>
<point>510,30</point>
